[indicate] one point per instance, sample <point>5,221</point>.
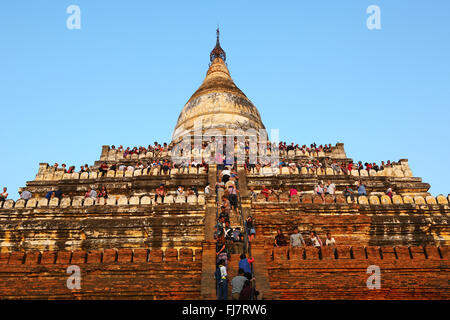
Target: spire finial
<point>217,52</point>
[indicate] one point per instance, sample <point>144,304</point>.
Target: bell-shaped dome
<point>218,104</point>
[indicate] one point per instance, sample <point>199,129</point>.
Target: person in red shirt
<point>350,167</point>
<point>265,192</point>
<point>103,169</point>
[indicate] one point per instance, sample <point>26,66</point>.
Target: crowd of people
<point>242,285</point>
<point>314,166</point>
<point>296,239</point>
<point>320,189</point>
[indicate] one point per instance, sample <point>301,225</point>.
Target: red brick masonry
<point>108,274</point>
<point>406,272</point>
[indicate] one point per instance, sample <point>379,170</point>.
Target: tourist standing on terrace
<point>297,239</point>
<point>280,239</point>
<point>315,240</point>
<point>4,194</point>
<point>362,189</point>
<point>160,192</point>
<point>330,242</point>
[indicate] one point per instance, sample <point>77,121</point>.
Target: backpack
<point>217,274</point>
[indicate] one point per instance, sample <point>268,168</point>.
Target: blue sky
<point>312,68</point>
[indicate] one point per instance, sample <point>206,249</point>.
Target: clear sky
<point>313,69</point>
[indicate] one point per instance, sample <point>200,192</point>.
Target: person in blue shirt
<point>362,190</point>
<point>244,263</point>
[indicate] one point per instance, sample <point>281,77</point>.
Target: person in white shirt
<point>331,188</point>
<point>319,191</point>
<point>226,174</point>
<point>4,194</point>
<point>223,282</point>
<point>315,240</point>
<point>330,240</point>
<point>25,195</point>
<point>207,190</point>
<point>180,191</point>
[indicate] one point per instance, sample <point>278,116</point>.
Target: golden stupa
<point>218,106</point>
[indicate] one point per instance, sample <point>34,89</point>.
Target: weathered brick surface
<point>352,224</point>
<point>123,279</point>
<point>401,278</point>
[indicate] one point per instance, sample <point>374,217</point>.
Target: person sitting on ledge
<point>362,189</point>
<point>282,164</point>
<point>208,189</point>
<point>319,191</point>
<point>103,194</point>
<point>331,188</point>
<point>315,240</point>
<point>91,193</point>
<point>49,195</point>
<point>348,192</point>
<point>292,192</point>
<point>280,239</point>
<point>166,166</point>
<point>389,192</point>
<point>25,195</point>
<point>103,169</point>
<point>160,192</point>
<point>180,191</point>
<point>265,192</point>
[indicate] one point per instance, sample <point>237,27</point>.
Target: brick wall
<point>406,273</point>
<point>353,224</point>
<point>106,274</point>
